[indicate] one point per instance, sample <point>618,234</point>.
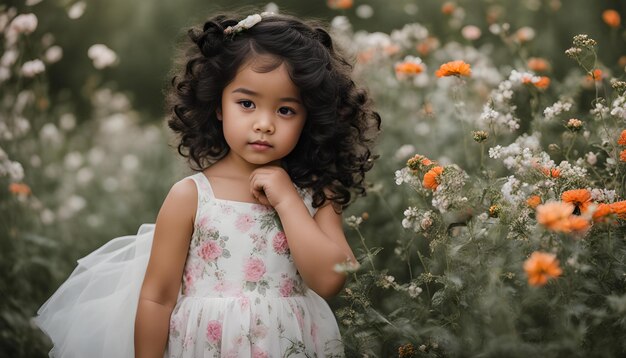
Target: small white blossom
<point>33,68</point>
<point>556,109</point>
<point>77,10</point>
<point>67,122</point>
<point>53,54</point>
<point>603,195</point>
<point>9,57</point>
<point>404,151</point>
<point>364,11</point>
<point>23,24</point>
<point>101,56</point>
<point>47,217</point>
<point>591,158</point>
<point>414,290</point>
<point>618,108</point>
<point>471,32</point>
<point>73,160</point>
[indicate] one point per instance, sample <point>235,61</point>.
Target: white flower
<point>5,74</point>
<point>53,54</point>
<point>341,24</point>
<point>84,175</point>
<point>33,68</point>
<point>101,56</point>
<point>525,34</point>
<point>9,57</point>
<point>591,157</point>
<point>471,32</point>
<point>50,133</point>
<point>556,109</point>
<point>22,126</point>
<point>414,290</point>
<point>47,217</point>
<point>354,221</point>
<point>23,24</point>
<point>130,162</point>
<point>67,122</point>
<point>77,10</point>
<point>32,2</point>
<point>404,151</point>
<point>73,160</point>
<point>364,11</point>
<point>15,170</point>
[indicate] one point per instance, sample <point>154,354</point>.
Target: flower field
<point>495,217</point>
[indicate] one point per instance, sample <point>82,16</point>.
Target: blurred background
<point>82,127</point>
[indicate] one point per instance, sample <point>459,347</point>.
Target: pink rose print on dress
<point>254,269</point>
<point>214,331</point>
<point>280,244</point>
<point>286,287</point>
<point>244,222</point>
<point>258,352</point>
<point>210,251</point>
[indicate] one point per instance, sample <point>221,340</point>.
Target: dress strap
<point>204,187</point>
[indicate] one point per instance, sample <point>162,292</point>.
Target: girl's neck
<point>233,166</point>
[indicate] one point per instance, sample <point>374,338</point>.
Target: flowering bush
<point>68,182</point>
<point>494,223</point>
<point>513,231</point>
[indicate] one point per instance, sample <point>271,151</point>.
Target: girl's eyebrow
<point>252,93</point>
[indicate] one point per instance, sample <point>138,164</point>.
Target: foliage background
<point>108,172</point>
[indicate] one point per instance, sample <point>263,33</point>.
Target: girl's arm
<point>174,226</point>
<point>316,243</point>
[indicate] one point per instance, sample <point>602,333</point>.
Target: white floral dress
<point>241,294</point>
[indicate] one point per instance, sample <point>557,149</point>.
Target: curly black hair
<point>334,150</point>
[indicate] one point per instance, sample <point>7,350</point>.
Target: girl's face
<point>262,114</point>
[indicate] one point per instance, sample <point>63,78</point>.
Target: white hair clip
<point>246,23</point>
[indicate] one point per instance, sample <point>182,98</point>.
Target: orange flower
<point>622,138</point>
<point>538,64</point>
<point>602,210</point>
<point>551,172</point>
<point>579,197</point>
<point>611,18</point>
<point>339,4</point>
<point>19,189</point>
<point>533,201</point>
<point>578,223</point>
<point>555,215</point>
<point>409,68</point>
<point>448,8</point>
<point>430,178</point>
<point>454,68</point>
<point>540,267</point>
<point>621,62</point>
<point>622,156</point>
<point>619,208</point>
<point>595,75</point>
<point>543,83</point>
<point>427,45</point>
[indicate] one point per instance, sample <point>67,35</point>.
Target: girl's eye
<point>285,111</point>
<point>246,104</point>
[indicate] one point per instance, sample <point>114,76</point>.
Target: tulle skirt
<point>92,314</point>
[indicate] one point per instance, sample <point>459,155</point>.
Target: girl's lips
<point>260,145</point>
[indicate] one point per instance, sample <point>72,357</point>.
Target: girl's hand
<point>271,185</point>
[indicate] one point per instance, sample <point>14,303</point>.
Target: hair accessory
<point>246,23</point>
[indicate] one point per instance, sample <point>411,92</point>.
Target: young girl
<point>266,112</point>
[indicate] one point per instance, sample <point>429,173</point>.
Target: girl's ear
<point>218,114</point>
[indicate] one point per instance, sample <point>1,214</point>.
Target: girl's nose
<point>264,124</point>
